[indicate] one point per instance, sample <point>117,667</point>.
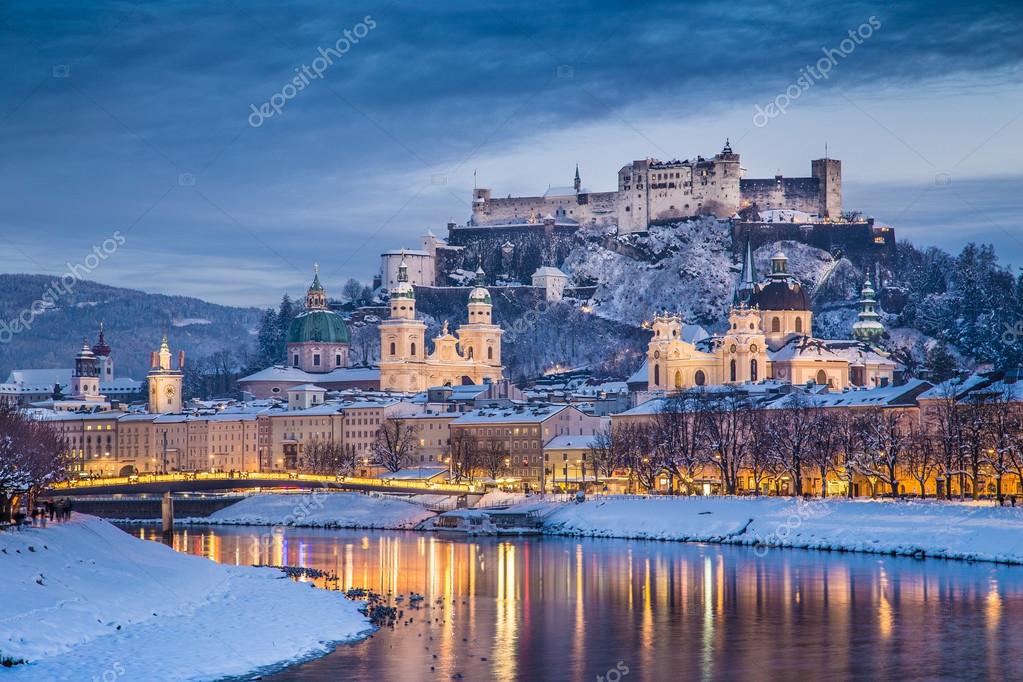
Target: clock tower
<point>164,381</point>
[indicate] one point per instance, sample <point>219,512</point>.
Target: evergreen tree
<point>939,363</point>
<point>268,339</point>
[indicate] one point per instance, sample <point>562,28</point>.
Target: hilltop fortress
<point>651,191</point>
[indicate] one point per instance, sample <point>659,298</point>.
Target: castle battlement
<point>651,190</point>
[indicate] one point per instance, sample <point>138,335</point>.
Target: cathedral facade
<point>769,337</point>
<point>470,356</point>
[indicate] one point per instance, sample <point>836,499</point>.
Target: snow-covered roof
<point>548,271</point>
<point>871,397</point>
<point>307,388</point>
<point>570,442</point>
<point>279,373</point>
<point>564,191</point>
<point>46,378</point>
<point>510,415</point>
<point>641,375</point>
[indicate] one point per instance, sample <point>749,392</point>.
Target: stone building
<point>165,381</point>
<point>769,336</point>
<point>472,356</point>
<point>652,190</point>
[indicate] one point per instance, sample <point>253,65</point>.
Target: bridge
<point>209,482</point>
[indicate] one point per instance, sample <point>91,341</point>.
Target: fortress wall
<point>532,247</point>
<point>801,194</point>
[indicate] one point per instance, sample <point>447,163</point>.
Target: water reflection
<point>553,609</point>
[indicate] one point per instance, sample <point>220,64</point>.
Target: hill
<point>39,331</point>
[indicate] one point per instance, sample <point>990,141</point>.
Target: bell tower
<point>165,381</point>
<point>402,339</point>
<point>480,338</point>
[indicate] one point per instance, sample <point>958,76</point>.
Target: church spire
<point>747,277</point>
<point>578,183</point>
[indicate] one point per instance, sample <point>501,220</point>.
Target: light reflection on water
<point>571,609</point>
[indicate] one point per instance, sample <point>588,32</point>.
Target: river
<point>546,608</point>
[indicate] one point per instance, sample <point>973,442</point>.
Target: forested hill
<point>134,320</point>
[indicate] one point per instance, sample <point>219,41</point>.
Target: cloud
<point>157,90</point>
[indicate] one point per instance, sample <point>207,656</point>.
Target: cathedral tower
<point>402,339</point>
<point>480,339</point>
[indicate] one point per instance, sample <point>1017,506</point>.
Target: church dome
<point>785,294</point>
<point>323,326</point>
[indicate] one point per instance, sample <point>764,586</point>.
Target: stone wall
<point>531,247</point>
<point>861,242</point>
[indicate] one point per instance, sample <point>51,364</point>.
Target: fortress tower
<point>828,173</point>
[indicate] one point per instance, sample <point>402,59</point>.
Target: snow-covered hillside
<point>83,600</point>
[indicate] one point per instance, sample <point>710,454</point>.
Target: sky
<point>140,129</point>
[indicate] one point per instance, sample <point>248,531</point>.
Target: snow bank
<point>933,529</point>
<point>84,600</point>
<point>320,509</point>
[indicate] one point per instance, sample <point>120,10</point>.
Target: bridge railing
<point>341,481</point>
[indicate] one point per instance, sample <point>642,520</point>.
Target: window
<point>469,353</point>
<point>490,353</point>
<point>316,359</point>
<point>775,325</point>
<point>657,375</point>
<point>731,369</point>
<point>413,348</point>
<point>678,379</point>
<point>700,378</point>
<point>822,377</point>
<point>294,360</point>
<point>753,370</point>
<point>337,359</point>
<point>392,348</point>
<point>799,325</point>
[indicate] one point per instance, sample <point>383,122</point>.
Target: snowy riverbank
<point>320,509</point>
<point>929,528</point>
<point>83,600</point>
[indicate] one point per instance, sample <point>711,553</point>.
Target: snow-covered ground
<point>83,600</point>
<point>929,528</point>
<point>321,509</point>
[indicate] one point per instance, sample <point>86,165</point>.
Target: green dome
<point>323,326</point>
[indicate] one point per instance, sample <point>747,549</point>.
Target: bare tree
<point>494,458</point>
<point>946,423</point>
<point>676,437</point>
<point>352,290</point>
<point>726,418</point>
<point>850,434</point>
<point>792,428</point>
<point>33,456</point>
<point>1003,420</point>
<point>395,444</point>
<point>975,440</point>
<point>921,460</point>
<point>464,451</point>
<point>610,449</point>
<point>887,441</point>
<point>825,442</point>
<point>328,457</point>
<point>759,459</point>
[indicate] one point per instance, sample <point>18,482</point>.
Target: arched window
<point>752,370</point>
<point>678,379</point>
<point>799,325</point>
<point>413,349</point>
<point>775,324</point>
<point>468,353</point>
<point>657,375</point>
<point>700,378</point>
<point>822,377</point>
<point>731,369</point>
<point>393,350</point>
<point>490,352</point>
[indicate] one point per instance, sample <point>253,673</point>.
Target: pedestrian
<point>35,515</point>
<point>49,509</point>
<point>69,510</point>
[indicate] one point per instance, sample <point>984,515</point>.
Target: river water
<point>545,608</point>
